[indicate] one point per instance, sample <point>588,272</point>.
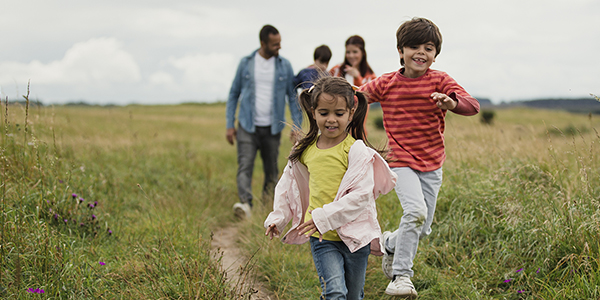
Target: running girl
<point>329,186</point>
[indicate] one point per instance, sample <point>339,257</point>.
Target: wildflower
<point>95,203</point>
<point>81,224</point>
<point>102,263</point>
<point>93,217</point>
<point>74,195</point>
<point>66,220</point>
<point>507,280</point>
<point>80,199</point>
<point>56,217</point>
<point>91,205</point>
<point>520,291</point>
<point>36,291</point>
<point>60,181</point>
<point>50,209</point>
<point>519,270</point>
<point>538,270</point>
<point>109,232</point>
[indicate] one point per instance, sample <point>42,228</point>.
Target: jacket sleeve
<point>234,95</point>
<point>350,205</point>
<point>282,212</point>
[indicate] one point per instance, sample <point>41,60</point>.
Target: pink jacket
<point>352,213</point>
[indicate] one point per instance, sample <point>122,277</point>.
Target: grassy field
<point>518,215</point>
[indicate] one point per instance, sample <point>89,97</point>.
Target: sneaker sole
<point>404,296</point>
<point>239,213</point>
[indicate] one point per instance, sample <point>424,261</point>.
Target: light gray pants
<point>417,192</point>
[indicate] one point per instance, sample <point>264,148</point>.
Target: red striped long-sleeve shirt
<point>413,122</point>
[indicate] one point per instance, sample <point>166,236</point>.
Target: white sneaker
<point>241,210</point>
<point>388,258</point>
<point>403,287</point>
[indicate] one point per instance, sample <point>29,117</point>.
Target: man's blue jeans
<point>247,146</point>
<point>341,273</point>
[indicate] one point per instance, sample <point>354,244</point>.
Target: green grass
<point>519,194</point>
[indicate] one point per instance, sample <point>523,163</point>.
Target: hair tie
<point>354,88</point>
<point>311,88</point>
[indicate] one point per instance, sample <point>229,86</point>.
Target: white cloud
<point>98,61</point>
<point>198,68</point>
<point>207,76</point>
<point>191,22</point>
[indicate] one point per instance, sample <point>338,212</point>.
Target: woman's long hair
<point>337,87</point>
<point>363,67</point>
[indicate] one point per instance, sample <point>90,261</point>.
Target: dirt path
<point>237,267</point>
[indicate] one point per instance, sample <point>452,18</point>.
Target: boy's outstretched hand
<point>444,101</point>
<point>272,231</point>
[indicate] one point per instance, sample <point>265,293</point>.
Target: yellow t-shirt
<point>327,168</point>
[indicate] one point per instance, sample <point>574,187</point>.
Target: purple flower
<point>538,270</point>
<point>74,195</point>
<point>520,291</point>
<point>90,205</point>
<point>60,181</point>
<point>93,217</point>
<point>109,232</point>
<point>50,209</point>
<point>519,270</point>
<point>55,216</point>
<point>95,203</point>
<point>81,224</point>
<point>66,220</point>
<point>81,199</point>
<point>37,291</point>
<point>102,264</point>
<point>507,280</point>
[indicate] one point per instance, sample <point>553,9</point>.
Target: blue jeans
<point>341,273</point>
<point>417,192</point>
<point>248,144</point>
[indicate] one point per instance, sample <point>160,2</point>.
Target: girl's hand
<point>309,228</point>
<point>444,101</point>
<point>352,71</point>
<point>272,231</point>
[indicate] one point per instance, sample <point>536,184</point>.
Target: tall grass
<point>115,203</point>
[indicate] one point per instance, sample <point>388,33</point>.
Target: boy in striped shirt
<point>414,101</point>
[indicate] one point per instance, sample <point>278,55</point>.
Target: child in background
<point>328,189</point>
<point>355,67</point>
<point>414,101</point>
<point>310,74</point>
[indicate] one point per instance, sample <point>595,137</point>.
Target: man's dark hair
<point>265,32</point>
<point>322,54</point>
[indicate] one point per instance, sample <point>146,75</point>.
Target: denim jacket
<point>243,91</point>
<point>352,213</point>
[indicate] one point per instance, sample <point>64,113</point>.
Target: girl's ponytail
<point>356,127</point>
<point>306,103</point>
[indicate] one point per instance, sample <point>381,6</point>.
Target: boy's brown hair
<point>416,32</point>
<point>322,54</point>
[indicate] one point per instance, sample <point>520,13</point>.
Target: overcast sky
<point>167,52</point>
